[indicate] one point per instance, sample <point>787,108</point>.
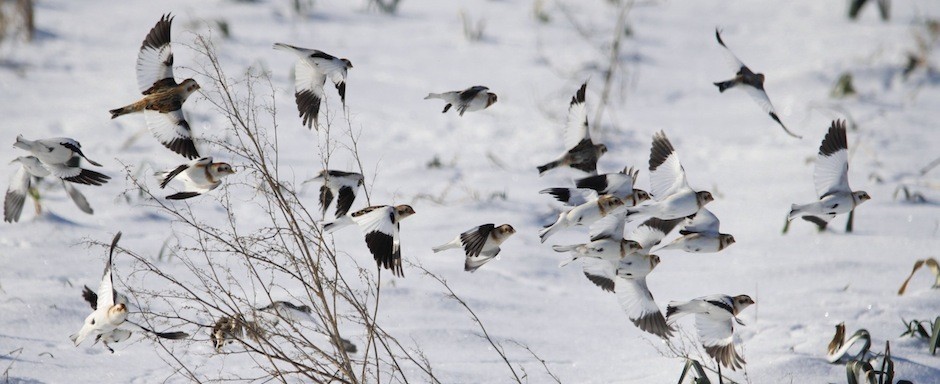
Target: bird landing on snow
<point>475,98</point>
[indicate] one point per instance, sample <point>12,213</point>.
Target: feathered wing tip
<point>726,355</point>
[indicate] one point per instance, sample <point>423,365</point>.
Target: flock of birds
<point>606,203</point>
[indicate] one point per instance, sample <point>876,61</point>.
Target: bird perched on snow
<point>163,98</point>
<point>623,268</point>
<point>750,82</point>
<point>475,98</point>
<point>109,317</point>
<point>295,314</point>
<point>310,73</point>
<point>582,153</point>
<point>620,184</point>
<point>668,185</point>
<point>199,176</point>
<point>832,181</point>
<point>480,244</point>
<point>380,223</point>
<point>584,214</point>
<point>700,234</point>
<point>341,184</point>
<point>31,167</point>
<point>54,151</point>
<point>715,316</point>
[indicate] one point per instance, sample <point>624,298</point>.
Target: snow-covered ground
<point>82,64</point>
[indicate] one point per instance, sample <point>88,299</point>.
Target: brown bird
<point>582,153</point>
<point>163,98</point>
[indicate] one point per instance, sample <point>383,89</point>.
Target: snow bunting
<point>626,275</point>
<point>832,180</point>
<point>310,73</point>
<point>297,313</point>
<point>480,244</point>
<point>341,184</point>
<point>229,329</point>
<point>468,100</point>
<point>21,183</point>
<point>54,151</point>
<point>66,170</point>
<point>668,185</point>
<point>584,214</point>
<point>715,316</point>
<point>110,311</point>
<point>380,223</point>
<point>603,248</point>
<point>750,82</point>
<point>582,153</point>
<point>700,234</point>
<point>199,176</point>
<point>128,327</point>
<point>616,184</point>
<point>163,98</point>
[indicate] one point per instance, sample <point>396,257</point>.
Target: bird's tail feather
<point>434,96</point>
<point>335,225</point>
<point>452,244</point>
<point>724,85</point>
<point>795,210</point>
<point>548,166</point>
<point>550,230</point>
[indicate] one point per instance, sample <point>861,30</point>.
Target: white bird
<point>110,311</point>
<point>832,180</point>
<point>475,98</point>
<point>582,153</point>
<point>700,235</point>
<point>750,82</point>
<point>620,184</point>
<point>626,275</point>
<point>341,184</point>
<point>480,244</point>
<point>584,214</point>
<point>31,167</point>
<point>668,185</point>
<point>54,151</point>
<point>199,176</point>
<point>604,248</point>
<point>163,99</point>
<point>294,313</point>
<point>126,329</point>
<point>310,73</point>
<point>380,224</point>
<point>715,316</point>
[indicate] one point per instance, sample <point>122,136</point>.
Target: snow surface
<point>82,64</point>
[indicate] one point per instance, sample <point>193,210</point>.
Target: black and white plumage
<point>623,268</point>
<point>310,74</point>
<point>110,309</point>
<point>54,151</point>
<point>199,176</point>
<point>343,185</point>
<point>126,329</point>
<point>831,179</point>
<point>163,97</point>
<point>619,184</point>
<point>750,82</point>
<point>668,185</point>
<point>700,234</point>
<point>584,214</point>
<point>480,244</point>
<point>31,167</point>
<point>715,316</point>
<point>295,313</point>
<point>475,98</point>
<point>582,153</point>
<point>380,224</point>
